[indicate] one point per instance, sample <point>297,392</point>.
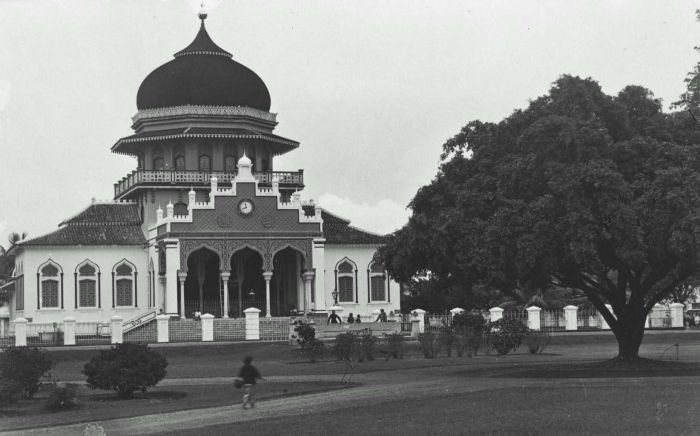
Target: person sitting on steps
<point>333,318</point>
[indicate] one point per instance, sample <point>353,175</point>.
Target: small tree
<point>125,368</point>
<point>306,338</point>
<point>469,332</point>
<point>26,366</point>
<point>9,391</point>
<point>394,345</point>
<point>347,350</point>
<point>428,344</point>
<point>506,335</point>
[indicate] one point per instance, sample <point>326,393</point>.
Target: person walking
<point>248,375</point>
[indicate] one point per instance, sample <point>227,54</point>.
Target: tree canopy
<point>579,190</point>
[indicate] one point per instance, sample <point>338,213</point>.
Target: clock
<point>245,207</point>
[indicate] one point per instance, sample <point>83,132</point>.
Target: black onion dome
<point>203,74</point>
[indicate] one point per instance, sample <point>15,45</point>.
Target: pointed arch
<point>124,290</point>
<point>49,285</point>
<point>377,282</point>
<point>87,292</point>
<point>346,280</point>
<point>151,283</point>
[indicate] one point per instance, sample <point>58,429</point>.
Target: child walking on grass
<point>248,375</point>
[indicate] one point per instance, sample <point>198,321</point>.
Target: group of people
<point>333,318</point>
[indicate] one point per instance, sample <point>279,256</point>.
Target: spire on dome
<point>203,44</point>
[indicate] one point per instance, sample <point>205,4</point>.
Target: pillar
<point>162,328</point>
<point>267,275</point>
<point>20,332</point>
<point>117,335</point>
<point>207,327</point>
<point>252,324</point>
<point>69,330</point>
<point>225,275</point>
<point>496,313</point>
<point>308,276</point>
<point>533,317</point>
<point>571,317</point>
<point>181,277</point>
<point>456,311</point>
<point>172,265</point>
<point>420,314</point>
<point>603,323</point>
<point>676,315</point>
<point>415,326</point>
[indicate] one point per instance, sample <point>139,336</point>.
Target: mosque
<point>206,223</point>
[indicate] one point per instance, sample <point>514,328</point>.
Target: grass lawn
<point>99,405</point>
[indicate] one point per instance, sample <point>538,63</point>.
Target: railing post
<point>571,317</point>
<point>69,330</point>
<point>252,324</point>
<point>496,313</point>
<point>456,311</point>
<point>162,328</point>
<point>20,332</point>
<point>415,326</point>
<point>533,317</point>
<point>420,314</point>
<point>117,335</point>
<point>676,315</point>
<point>603,323</point>
<point>207,327</point>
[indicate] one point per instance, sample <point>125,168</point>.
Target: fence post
<point>117,335</point>
<point>603,323</point>
<point>207,327</point>
<point>69,330</point>
<point>496,313</point>
<point>252,324</point>
<point>162,328</point>
<point>420,314</point>
<point>415,326</point>
<point>676,315</point>
<point>456,311</point>
<point>571,317</point>
<point>533,317</point>
<point>20,332</point>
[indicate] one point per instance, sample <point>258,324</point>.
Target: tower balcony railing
<point>150,178</point>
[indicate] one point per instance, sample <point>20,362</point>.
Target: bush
<point>467,342</point>
<point>62,397</point>
<point>469,329</point>
<point>428,344</point>
<point>537,341</point>
<point>394,345</point>
<point>125,368</point>
<point>506,335</point>
<point>368,344</point>
<point>9,391</point>
<point>346,347</point>
<point>26,366</point>
<point>473,322</point>
<point>311,347</point>
<point>446,340</point>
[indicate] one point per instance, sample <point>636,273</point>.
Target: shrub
<point>9,391</point>
<point>446,340</point>
<point>347,349</point>
<point>469,331</point>
<point>368,344</point>
<point>474,322</point>
<point>62,397</point>
<point>125,368</point>
<point>26,366</point>
<point>537,341</point>
<point>506,335</point>
<point>394,345</point>
<point>311,347</point>
<point>428,344</point>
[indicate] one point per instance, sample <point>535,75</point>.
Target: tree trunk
<point>629,333</point>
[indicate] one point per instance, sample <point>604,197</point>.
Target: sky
<point>371,89</point>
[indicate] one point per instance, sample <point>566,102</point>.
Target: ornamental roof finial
<point>202,12</point>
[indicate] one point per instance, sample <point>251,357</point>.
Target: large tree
<point>580,190</point>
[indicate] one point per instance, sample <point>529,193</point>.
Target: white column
<point>318,260</point>
<point>603,323</point>
<point>69,330</point>
<point>456,311</point>
<point>571,317</point>
<point>20,332</point>
<point>420,314</point>
<point>182,276</point>
<point>676,315</point>
<point>308,276</point>
<point>225,275</point>
<point>267,275</point>
<point>207,327</point>
<point>496,313</point>
<point>162,328</point>
<point>252,324</point>
<point>172,265</point>
<point>533,317</point>
<point>117,336</point>
<point>415,326</point>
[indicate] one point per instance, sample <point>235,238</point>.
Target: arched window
<point>377,282</point>
<point>158,164</point>
<point>345,273</point>
<point>124,285</point>
<point>180,163</point>
<point>50,286</point>
<point>87,285</point>
<point>204,163</point>
<point>230,163</point>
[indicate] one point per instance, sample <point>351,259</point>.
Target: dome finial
<point>202,12</point>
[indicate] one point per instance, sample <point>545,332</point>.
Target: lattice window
<point>50,286</point>
<point>204,163</point>
<point>19,294</point>
<point>230,163</point>
<point>124,287</point>
<point>87,285</point>
<point>377,282</point>
<point>346,282</point>
<point>180,163</point>
<point>158,164</point>
<point>125,292</point>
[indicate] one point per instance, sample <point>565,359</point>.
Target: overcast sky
<point>371,89</point>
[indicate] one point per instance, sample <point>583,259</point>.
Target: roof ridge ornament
<point>202,12</point>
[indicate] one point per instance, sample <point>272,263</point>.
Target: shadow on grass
<point>152,396</point>
<point>613,368</point>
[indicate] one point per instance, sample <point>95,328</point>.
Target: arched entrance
<point>286,286</point>
<point>246,285</point>
<point>202,285</point>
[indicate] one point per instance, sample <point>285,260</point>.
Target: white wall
<point>69,258</point>
<point>361,256</point>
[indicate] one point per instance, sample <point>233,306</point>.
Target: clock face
<point>245,207</point>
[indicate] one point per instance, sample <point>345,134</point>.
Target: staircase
<point>138,321</point>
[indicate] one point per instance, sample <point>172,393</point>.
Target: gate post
<point>162,328</point>
<point>456,311</point>
<point>252,324</point>
<point>496,313</point>
<point>20,332</point>
<point>69,330</point>
<point>533,317</point>
<point>117,335</point>
<point>676,315</point>
<point>420,314</point>
<point>570,316</point>
<point>207,327</point>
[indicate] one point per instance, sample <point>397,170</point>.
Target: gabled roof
<point>338,231</point>
<point>98,224</point>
